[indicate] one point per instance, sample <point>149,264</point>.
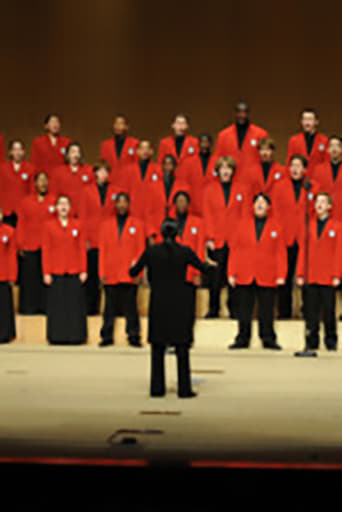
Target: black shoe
<point>157,395</point>
<point>237,345</point>
<point>286,316</point>
<point>135,343</point>
<point>210,315</point>
<point>106,343</point>
<point>332,349</point>
<point>190,394</point>
<point>273,346</point>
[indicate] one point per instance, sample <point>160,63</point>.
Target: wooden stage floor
<point>253,405</point>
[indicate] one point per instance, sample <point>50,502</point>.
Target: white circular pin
<point>191,150</point>
<point>277,176</point>
<point>24,176</point>
<point>321,147</point>
<point>274,234</point>
<point>154,177</point>
<point>310,196</point>
<point>131,151</point>
<point>239,197</point>
<point>51,208</point>
<point>63,151</point>
<point>253,142</point>
<point>132,230</point>
<point>194,230</point>
<point>5,239</point>
<point>85,177</point>
<point>332,233</point>
<point>74,233</point>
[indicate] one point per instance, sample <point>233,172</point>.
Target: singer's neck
<point>323,216</point>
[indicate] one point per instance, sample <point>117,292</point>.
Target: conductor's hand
<point>232,281</point>
<point>336,282</point>
<point>47,279</point>
<point>210,245</point>
<point>83,277</point>
<point>197,280</point>
<point>280,281</point>
<point>211,262</point>
<point>300,281</point>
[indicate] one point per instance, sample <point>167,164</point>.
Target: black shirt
<point>241,132</point>
<point>297,187</point>
<point>181,217</point>
<point>179,141</point>
<point>259,226</point>
<point>226,190</point>
<point>266,167</point>
<point>119,143</point>
<point>121,222</point>
<point>143,164</point>
<point>168,183</point>
<point>335,169</point>
<point>205,160</point>
<point>103,191</point>
<point>321,225</point>
<point>309,139</point>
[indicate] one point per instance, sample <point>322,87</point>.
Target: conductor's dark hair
<point>77,145</point>
<point>52,114</point>
<point>15,141</point>
<point>301,158</point>
<point>264,196</point>
<point>170,157</point>
<point>335,137</point>
<point>205,136</point>
<point>181,193</point>
<point>169,229</point>
<point>123,194</point>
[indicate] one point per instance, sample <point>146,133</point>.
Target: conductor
<point>170,312</point>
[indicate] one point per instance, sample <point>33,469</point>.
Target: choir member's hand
<point>103,280</point>
<point>47,279</point>
<point>21,253</point>
<point>11,283</point>
<point>232,281</point>
<point>211,262</point>
<point>280,281</point>
<point>83,277</point>
<point>136,280</point>
<point>133,263</point>
<point>151,240</point>
<point>336,282</point>
<point>300,281</point>
<point>210,245</point>
<point>197,280</point>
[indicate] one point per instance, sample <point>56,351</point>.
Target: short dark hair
<point>52,114</point>
<point>264,196</point>
<point>122,116</point>
<point>101,164</point>
<point>309,110</point>
<point>180,114</point>
<point>63,196</point>
<point>170,157</point>
<point>225,160</point>
<point>325,194</point>
<point>69,146</point>
<point>15,141</point>
<point>268,142</point>
<point>181,193</point>
<point>145,139</point>
<point>122,194</point>
<point>40,173</point>
<point>301,158</point>
<point>333,137</point>
<point>205,136</point>
<point>241,105</point>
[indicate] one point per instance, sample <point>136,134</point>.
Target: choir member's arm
<point>281,259</point>
<point>337,271</point>
<point>83,256</point>
<point>20,232</point>
<point>233,257</point>
<point>35,156</point>
<point>300,273</point>
<point>208,222</point>
<point>138,267</point>
<point>200,251</point>
<point>46,256</point>
<point>289,151</point>
<point>102,254</point>
<point>13,267</point>
<point>140,246</point>
<point>151,229</point>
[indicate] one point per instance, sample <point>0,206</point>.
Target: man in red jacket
<point>8,276</point>
<point>266,173</point>
<point>119,150</point>
<point>225,201</point>
<point>33,212</point>
<point>257,265</point>
<point>241,139</point>
<point>329,175</point>
<point>293,199</point>
<point>16,177</point>
<point>180,144</point>
<point>309,143</point>
<point>320,268</point>
<point>122,242</point>
<point>48,151</point>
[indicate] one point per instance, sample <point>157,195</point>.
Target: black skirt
<point>66,311</point>
<point>7,320</point>
<point>32,291</point>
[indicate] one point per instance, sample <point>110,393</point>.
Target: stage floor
<point>253,405</point>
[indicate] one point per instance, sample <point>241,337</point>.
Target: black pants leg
<point>328,300</point>
<point>7,318</point>
<point>285,292</point>
<point>312,314</point>
<point>183,370</point>
<point>129,301</point>
<point>93,283</point>
<point>157,370</point>
<point>266,297</point>
<point>245,300</point>
<point>217,280</point>
<point>110,312</point>
<point>32,291</point>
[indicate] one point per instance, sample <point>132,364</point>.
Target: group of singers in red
<point>67,227</point>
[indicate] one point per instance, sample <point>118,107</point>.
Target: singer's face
<point>260,207</point>
<point>322,205</point>
<point>335,149</point>
<point>297,169</point>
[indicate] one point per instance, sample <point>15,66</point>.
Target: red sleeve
<point>301,252</point>
<point>200,248</point>
<point>83,250</point>
<point>219,146</point>
<point>208,217</point>
<point>289,151</point>
<point>13,264</point>
<point>102,250</point>
<point>233,254</point>
<point>150,222</point>
<point>35,155</point>
<point>338,255</point>
<point>21,226</point>
<point>46,251</point>
<point>281,257</point>
<point>161,152</point>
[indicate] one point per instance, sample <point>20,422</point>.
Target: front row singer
<point>167,266</point>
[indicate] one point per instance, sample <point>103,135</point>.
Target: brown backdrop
<point>88,59</point>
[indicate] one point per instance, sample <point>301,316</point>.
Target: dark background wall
<point>88,59</point>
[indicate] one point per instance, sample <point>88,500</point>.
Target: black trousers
<point>121,298</point>
<point>320,298</point>
<point>32,291</point>
<point>158,369</point>
<point>217,279</point>
<point>93,291</point>
<point>246,295</point>
<point>7,318</point>
<point>285,291</point>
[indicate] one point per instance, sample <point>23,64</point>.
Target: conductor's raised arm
<point>195,262</point>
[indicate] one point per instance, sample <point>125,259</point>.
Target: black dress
<point>170,309</point>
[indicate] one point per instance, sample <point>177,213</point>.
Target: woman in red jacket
<point>257,265</point>
<point>34,210</point>
<point>8,276</point>
<point>65,272</point>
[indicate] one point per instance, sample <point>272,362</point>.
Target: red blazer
<point>167,146</point>
<point>32,216</point>
<point>137,187</point>
<point>64,249</point>
<point>92,213</point>
<point>289,212</point>
<point>157,206</point>
<point>323,174</point>
<point>253,177</point>
<point>192,172</point>
<point>2,148</point>
<point>14,186</point>
<point>220,219</point>
<point>128,156</point>
<point>264,261</point>
<point>45,156</point>
<point>324,253</point>
<point>193,236</point>
<point>64,181</point>
<point>297,145</point>
<point>8,254</point>
<point>227,145</point>
<point>118,253</point>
